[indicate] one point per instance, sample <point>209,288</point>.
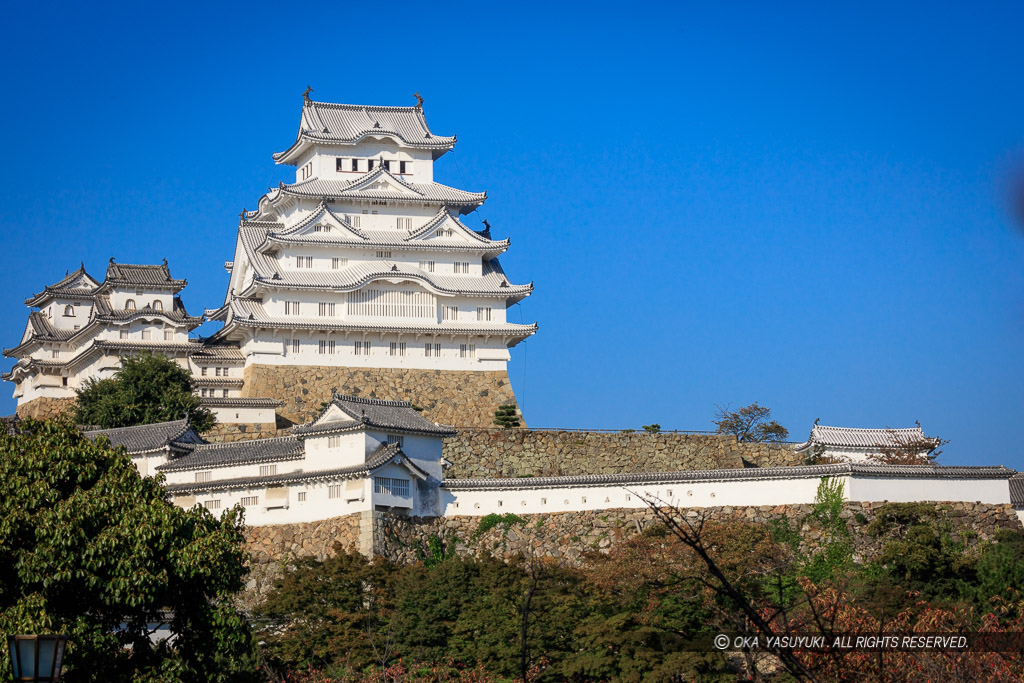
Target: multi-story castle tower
<point>362,277</point>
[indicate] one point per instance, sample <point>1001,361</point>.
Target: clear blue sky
<point>793,204</point>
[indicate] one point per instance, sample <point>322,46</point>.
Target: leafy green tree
<point>652,428</point>
<point>91,549</point>
<point>146,389</point>
<point>749,423</point>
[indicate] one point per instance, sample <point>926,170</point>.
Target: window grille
<point>334,491</point>
<point>334,441</point>
<point>69,311</point>
<point>392,303</point>
<point>250,500</point>
<point>296,345</point>
<point>444,232</point>
<point>129,305</point>
<point>291,307</point>
<point>391,486</point>
<point>304,261</point>
<point>461,266</point>
<point>432,350</point>
<point>268,470</point>
<point>467,350</point>
<point>483,313</point>
<point>397,348</point>
<point>362,348</point>
<point>55,353</point>
<point>203,476</point>
<point>212,504</point>
<point>224,393</point>
<point>396,438</point>
<point>354,221</point>
<point>326,308</point>
<point>383,254</point>
<point>124,334</point>
<point>302,496</point>
<point>158,305</point>
<point>427,266</point>
<point>450,313</point>
<point>168,335</point>
<point>404,223</point>
<point>147,334</point>
<point>338,262</point>
<point>326,346</point>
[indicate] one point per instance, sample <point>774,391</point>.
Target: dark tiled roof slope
<point>376,414</point>
<point>236,453</point>
<point>1017,490</point>
<point>142,438</point>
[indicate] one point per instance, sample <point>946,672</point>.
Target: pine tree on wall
<point>506,416</point>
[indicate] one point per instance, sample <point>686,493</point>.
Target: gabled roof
<point>371,413</point>
<point>76,285</point>
<point>209,455</point>
<point>380,184</point>
<point>129,274</point>
<point>144,438</point>
<point>852,437</point>
<point>347,124</point>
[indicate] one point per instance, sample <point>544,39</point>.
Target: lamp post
<point>36,659</point>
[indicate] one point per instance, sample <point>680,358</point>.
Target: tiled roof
<point>347,235</point>
<point>249,312</point>
<point>209,455</point>
<point>219,353</point>
<point>151,437</point>
<point>325,122</point>
<point>240,402</point>
<point>851,437</point>
<point>1017,490</point>
<point>375,414</point>
<point>76,285</point>
<point>389,188</point>
<point>746,473</point>
<point>218,381</point>
<point>141,275</point>
<point>382,456</point>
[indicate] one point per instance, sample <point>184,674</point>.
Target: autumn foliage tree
<point>749,423</point>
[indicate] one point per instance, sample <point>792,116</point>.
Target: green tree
<point>91,549</point>
<point>749,423</point>
<point>507,416</point>
<point>145,390</point>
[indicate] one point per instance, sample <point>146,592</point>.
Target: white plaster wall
<point>235,471</point>
<point>317,506</point>
<point>896,490</point>
<point>244,415</point>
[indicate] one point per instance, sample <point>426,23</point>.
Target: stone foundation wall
<point>241,431</point>
<point>43,408</point>
<point>491,453</point>
<point>463,399</point>
<point>568,536</point>
<point>271,548</point>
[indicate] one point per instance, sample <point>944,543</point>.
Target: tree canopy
<point>145,390</point>
<point>91,549</point>
<point>749,423</point>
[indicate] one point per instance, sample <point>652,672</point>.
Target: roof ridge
<point>371,401</point>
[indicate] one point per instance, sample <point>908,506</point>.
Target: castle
<point>362,312</point>
<point>360,276</point>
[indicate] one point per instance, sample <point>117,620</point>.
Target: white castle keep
<point>362,264</point>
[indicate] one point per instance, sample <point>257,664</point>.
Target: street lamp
<point>37,659</point>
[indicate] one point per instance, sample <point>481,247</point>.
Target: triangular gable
<point>334,413</point>
<point>81,281</point>
<point>446,226</point>
<point>323,216</point>
<point>379,180</point>
<point>401,460</point>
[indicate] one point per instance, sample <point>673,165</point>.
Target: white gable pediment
<point>382,182</point>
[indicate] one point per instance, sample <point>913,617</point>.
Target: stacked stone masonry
<point>44,408</point>
<point>495,453</point>
<point>463,399</point>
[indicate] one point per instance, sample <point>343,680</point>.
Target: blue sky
<point>795,204</point>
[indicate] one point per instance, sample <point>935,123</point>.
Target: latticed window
<point>326,308</point>
<point>334,441</point>
<point>303,261</point>
<point>432,350</point>
<point>362,348</point>
<point>326,346</point>
<point>483,312</point>
<point>296,345</point>
<point>337,262</point>
<point>427,266</point>
<point>396,438</point>
<point>391,486</point>
<point>334,491</point>
<point>302,496</point>
<point>124,334</point>
<point>397,348</point>
<point>250,500</point>
<point>461,266</point>
<point>203,476</point>
<point>268,470</point>
<point>467,350</point>
<point>158,305</point>
<point>383,254</point>
<point>392,303</point>
<point>129,305</point>
<point>212,504</point>
<point>291,307</point>
<point>450,313</point>
<point>404,223</point>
